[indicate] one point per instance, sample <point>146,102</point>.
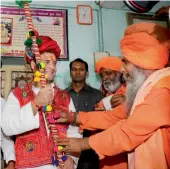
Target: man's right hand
<point>64,118</point>
<point>69,117</point>
<point>117,99</point>
<point>45,96</point>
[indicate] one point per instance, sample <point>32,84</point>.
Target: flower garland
<point>32,43</point>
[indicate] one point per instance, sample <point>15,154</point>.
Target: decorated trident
<point>39,76</point>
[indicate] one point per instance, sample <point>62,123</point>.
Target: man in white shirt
<point>23,115</point>
<point>7,145</point>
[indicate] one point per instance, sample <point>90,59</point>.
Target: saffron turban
<point>162,34</point>
<point>47,45</point>
<point>146,45</point>
<point>111,62</point>
<point>144,51</point>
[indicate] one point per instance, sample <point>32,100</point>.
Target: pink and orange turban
<point>112,62</point>
<point>146,45</point>
<point>47,44</point>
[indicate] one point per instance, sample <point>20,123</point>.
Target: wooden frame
<point>135,18</point>
<point>78,18</point>
<point>14,76</point>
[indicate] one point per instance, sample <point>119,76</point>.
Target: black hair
<point>81,61</point>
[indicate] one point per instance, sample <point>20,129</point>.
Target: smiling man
<point>24,117</point>
<point>108,68</point>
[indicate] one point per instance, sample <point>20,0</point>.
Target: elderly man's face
<point>110,79</point>
<point>107,74</point>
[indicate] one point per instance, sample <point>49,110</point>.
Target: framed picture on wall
<point>136,18</point>
<point>48,22</point>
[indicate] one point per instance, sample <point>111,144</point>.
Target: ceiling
<point>120,5</point>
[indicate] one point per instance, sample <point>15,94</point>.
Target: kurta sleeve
<point>147,117</point>
<point>102,119</point>
<point>17,120</point>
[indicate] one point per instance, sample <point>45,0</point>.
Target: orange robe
<point>128,134</point>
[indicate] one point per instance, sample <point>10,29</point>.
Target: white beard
<point>112,86</point>
<point>133,84</point>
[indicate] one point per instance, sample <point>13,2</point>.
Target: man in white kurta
<point>19,119</point>
<point>7,145</point>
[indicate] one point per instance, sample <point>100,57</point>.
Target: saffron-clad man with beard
<point>109,70</point>
<point>145,134</point>
<point>24,117</point>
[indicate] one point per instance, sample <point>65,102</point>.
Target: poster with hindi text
<point>48,22</point>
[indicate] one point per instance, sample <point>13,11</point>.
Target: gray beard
<point>112,86</point>
<point>133,84</point>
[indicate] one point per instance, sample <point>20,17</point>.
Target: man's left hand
<point>69,163</point>
<point>117,100</point>
<point>75,145</point>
